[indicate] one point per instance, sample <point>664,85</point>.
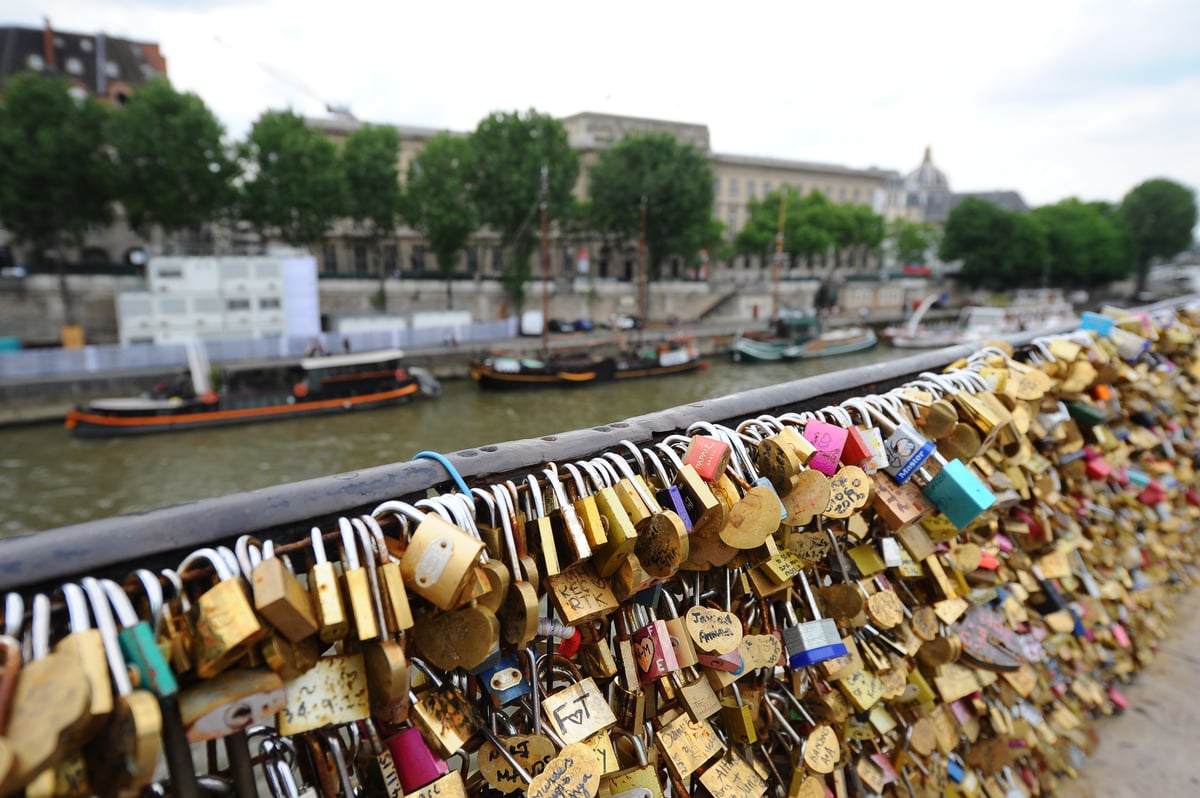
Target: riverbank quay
<point>985,684</point>
<point>46,399</point>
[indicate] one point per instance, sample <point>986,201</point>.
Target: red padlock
<point>708,456</point>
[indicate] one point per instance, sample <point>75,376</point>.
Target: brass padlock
<point>226,624</point>
<point>280,598</point>
<point>439,563</point>
<point>442,714</point>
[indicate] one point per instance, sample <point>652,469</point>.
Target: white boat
<point>1030,311</point>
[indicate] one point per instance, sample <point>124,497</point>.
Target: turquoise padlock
<point>958,493</point>
<point>139,646</point>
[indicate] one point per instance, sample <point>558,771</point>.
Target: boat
<point>260,391</point>
<point>799,337</point>
<point>499,371</point>
<point>1030,311</point>
<point>506,371</point>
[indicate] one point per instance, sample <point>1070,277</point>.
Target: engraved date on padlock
<point>907,451</point>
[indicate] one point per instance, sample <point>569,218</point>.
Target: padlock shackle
<point>485,495</point>
<point>349,546</point>
<point>637,454</point>
<point>178,593</point>
<point>402,510</point>
<point>245,549</point>
<point>782,720</point>
<point>382,555</point>
<point>218,562</point>
<point>77,608</point>
<point>578,479</point>
<point>551,472</point>
<point>639,486</point>
<point>535,688</point>
<point>39,627</point>
<point>320,555</point>
<point>102,610</point>
<point>368,552</point>
<point>126,615</point>
<point>506,533</point>
<point>534,496</point>
<point>152,587</point>
<point>14,614</point>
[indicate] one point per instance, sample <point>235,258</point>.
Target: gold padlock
<point>439,562</point>
<point>226,625</point>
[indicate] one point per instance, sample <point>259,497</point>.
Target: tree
<point>174,170</point>
<point>294,184</point>
<point>808,228</point>
<point>999,249</point>
<point>911,240</point>
<point>1160,215</point>
<point>510,151</point>
<point>438,200</point>
<point>370,161</point>
<point>58,177</point>
<point>1084,246</point>
<point>672,179</point>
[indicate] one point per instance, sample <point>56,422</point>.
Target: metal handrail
<point>113,546</point>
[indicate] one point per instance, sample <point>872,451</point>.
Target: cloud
<point>1051,99</point>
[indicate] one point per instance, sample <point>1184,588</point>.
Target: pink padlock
<point>652,649</point>
<point>416,764</point>
<point>1098,468</point>
<point>1120,636</point>
<point>1117,698</point>
<point>828,440</point>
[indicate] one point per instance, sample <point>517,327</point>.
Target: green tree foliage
<point>57,177</point>
<point>370,161</point>
<point>438,199</point>
<point>813,226</point>
<point>510,151</point>
<point>174,169</point>
<point>999,249</point>
<point>675,182</point>
<point>1086,247</point>
<point>911,240</point>
<point>293,181</point>
<point>1160,215</point>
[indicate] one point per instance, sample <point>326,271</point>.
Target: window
<point>206,304</point>
<point>237,304</point>
<point>360,258</point>
<point>417,258</point>
<point>766,187</point>
<point>716,187</point>
<point>733,187</point>
<point>269,303</point>
<point>842,194</point>
<point>498,260</point>
<point>111,69</point>
<point>473,260</point>
<point>34,62</point>
<point>390,255</point>
<point>170,274</point>
<point>74,66</point>
<point>330,259</point>
<point>750,189</point>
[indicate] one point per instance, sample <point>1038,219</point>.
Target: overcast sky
<point>1053,98</point>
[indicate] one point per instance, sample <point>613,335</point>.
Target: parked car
<point>561,326</point>
<point>624,321</point>
<point>584,325</point>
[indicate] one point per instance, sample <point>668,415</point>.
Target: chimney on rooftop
<point>48,47</point>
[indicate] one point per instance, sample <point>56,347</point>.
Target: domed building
<point>923,195</point>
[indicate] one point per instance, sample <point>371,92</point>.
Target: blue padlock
<point>958,493</point>
<point>504,681</point>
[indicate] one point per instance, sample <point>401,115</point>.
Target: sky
<point>1053,98</point>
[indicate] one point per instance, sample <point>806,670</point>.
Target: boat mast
<point>778,255</point>
<point>643,299</point>
<point>545,267</point>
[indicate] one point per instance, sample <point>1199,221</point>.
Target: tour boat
<point>797,338</point>
<point>260,391</point>
<point>501,371</point>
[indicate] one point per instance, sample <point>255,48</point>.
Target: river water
<point>48,479</point>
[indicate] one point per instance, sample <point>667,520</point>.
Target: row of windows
<point>843,195</point>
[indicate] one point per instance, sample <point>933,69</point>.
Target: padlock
<point>231,702</point>
<point>416,763</point>
<point>125,754</point>
<point>504,682</point>
<point>539,529</point>
<point>829,440</point>
<point>442,714</point>
<point>332,692</point>
<point>356,579</point>
<point>580,710</point>
<point>176,634</point>
<point>87,645</point>
<point>906,448</point>
<point>706,512</point>
<point>584,502</point>
<point>653,652</point>
<point>957,492</point>
<point>325,589</point>
<point>139,648</point>
<point>439,563</point>
<point>641,775</point>
<point>736,718</point>
<point>568,525</point>
<point>47,698</point>
<point>280,598</point>
<point>374,760</point>
<point>226,625</point>
<point>518,615</point>
<point>811,642</point>
<point>708,455</point>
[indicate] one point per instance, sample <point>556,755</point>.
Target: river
<point>48,479</point>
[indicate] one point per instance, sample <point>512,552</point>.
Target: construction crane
<point>338,110</point>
